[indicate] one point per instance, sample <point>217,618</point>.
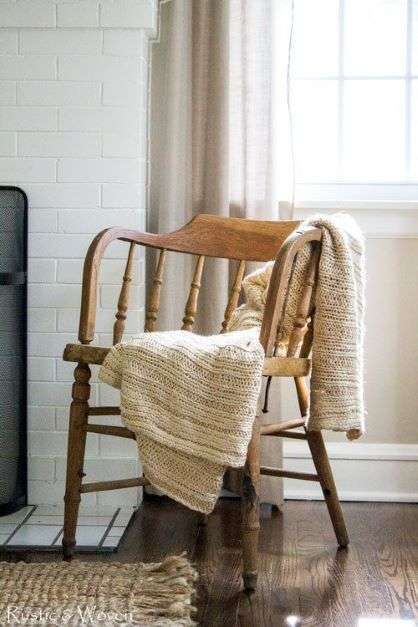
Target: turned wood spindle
<point>234,296</point>
<point>154,298</point>
<point>123,302</point>
<point>191,305</point>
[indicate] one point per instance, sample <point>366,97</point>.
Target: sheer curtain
<point>219,133</point>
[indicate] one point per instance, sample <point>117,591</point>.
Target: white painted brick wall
<point>28,119</point>
<point>73,92</point>
<point>7,144</point>
<point>70,15</point>
<point>59,145</point>
<point>20,67</point>
<point>28,13</point>
<point>7,93</point>
<point>59,93</point>
<point>8,42</point>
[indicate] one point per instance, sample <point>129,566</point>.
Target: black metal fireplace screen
<point>13,316</point>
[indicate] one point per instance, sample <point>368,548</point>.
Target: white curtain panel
<point>219,137</point>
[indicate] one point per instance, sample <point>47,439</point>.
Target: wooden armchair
<point>206,236</point>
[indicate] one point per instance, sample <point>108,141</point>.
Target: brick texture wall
<point>73,92</point>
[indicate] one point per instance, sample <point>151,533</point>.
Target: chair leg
<point>250,510</point>
<point>323,468</point>
<point>326,479</point>
<point>75,456</point>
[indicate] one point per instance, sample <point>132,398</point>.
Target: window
<point>354,99</point>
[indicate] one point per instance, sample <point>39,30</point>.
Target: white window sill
<point>358,205</point>
<point>378,219</point>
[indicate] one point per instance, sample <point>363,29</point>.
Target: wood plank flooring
<point>304,579</point>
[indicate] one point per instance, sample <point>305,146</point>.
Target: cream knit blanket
<point>336,399</point>
<point>191,402</point>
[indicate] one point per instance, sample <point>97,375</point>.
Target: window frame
<point>351,194</point>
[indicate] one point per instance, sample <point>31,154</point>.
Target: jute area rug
<point>96,593</point>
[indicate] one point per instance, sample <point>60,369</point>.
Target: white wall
<point>73,91</point>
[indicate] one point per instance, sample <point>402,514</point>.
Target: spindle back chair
<point>206,236</point>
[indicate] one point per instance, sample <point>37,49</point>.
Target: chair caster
<point>250,581</point>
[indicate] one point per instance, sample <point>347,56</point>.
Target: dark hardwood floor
<point>304,579</point>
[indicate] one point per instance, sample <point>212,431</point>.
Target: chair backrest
<point>204,236</point>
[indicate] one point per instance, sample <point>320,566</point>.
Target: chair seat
<point>273,366</point>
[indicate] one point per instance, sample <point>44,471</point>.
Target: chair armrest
<point>91,269</point>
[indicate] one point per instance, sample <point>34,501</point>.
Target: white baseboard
<point>362,471</point>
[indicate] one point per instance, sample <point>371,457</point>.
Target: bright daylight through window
<point>354,99</point>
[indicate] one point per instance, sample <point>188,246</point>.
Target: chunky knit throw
<point>191,402</point>
<point>336,401</point>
